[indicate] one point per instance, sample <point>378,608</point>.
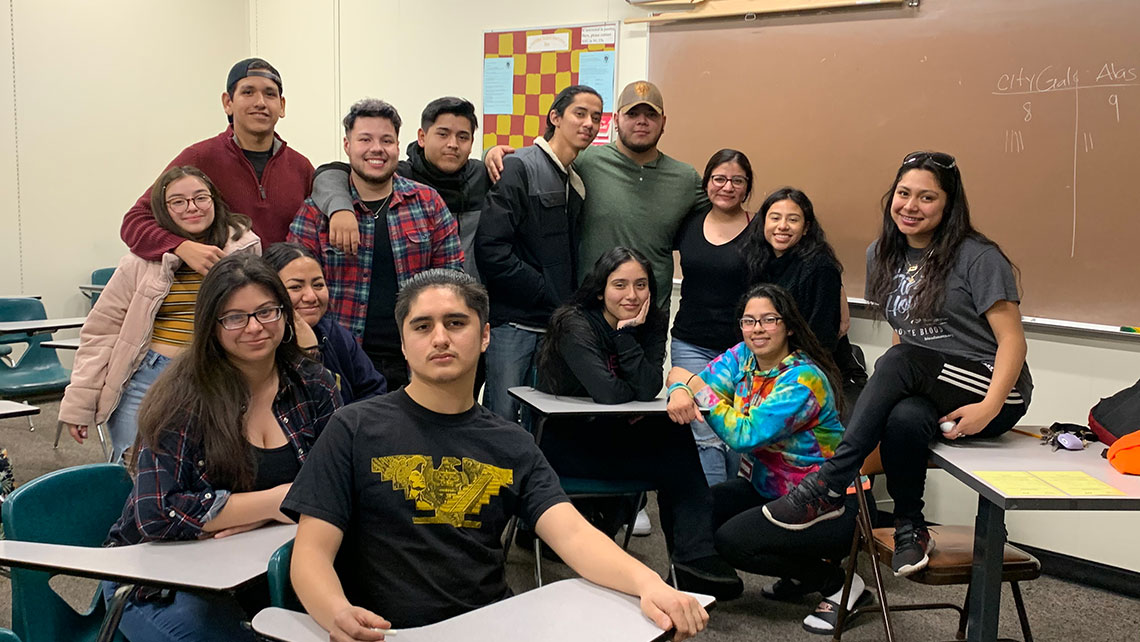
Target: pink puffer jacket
<point>116,335</point>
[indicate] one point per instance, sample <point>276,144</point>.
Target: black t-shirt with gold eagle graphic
<point>423,499</point>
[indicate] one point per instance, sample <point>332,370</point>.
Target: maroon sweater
<point>271,203</point>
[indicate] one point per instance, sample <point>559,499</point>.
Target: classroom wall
<point>105,94</point>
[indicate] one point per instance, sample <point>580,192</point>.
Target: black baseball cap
<point>252,67</point>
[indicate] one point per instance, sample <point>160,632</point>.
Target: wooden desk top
<point>564,611</point>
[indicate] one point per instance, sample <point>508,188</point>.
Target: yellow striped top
<point>174,323</point>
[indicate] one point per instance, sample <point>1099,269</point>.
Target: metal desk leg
<point>985,580</point>
<point>115,608</point>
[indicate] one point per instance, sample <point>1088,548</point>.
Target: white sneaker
<point>642,527</point>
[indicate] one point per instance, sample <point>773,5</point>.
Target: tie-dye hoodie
<point>784,421</point>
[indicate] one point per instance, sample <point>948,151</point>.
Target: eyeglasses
<point>720,179</point>
<point>945,161</point>
<point>239,320</point>
<point>179,205</point>
<point>770,322</point>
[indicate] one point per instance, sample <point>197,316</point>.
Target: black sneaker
<point>912,548</point>
<point>808,503</point>
<point>709,575</point>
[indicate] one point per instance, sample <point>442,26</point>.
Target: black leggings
<point>910,389</point>
<point>751,543</point>
<point>653,449</point>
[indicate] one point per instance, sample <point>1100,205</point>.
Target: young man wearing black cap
<point>257,173</point>
<point>440,158</point>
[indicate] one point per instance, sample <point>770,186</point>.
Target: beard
<point>638,148</point>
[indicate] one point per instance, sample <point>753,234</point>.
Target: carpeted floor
<point>1058,611</point>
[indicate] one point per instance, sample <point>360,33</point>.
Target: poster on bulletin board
<point>524,70</point>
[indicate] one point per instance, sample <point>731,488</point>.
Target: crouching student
<point>773,398</point>
<point>404,500</point>
<point>223,432</point>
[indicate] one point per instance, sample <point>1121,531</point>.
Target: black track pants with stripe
<point>910,389</point>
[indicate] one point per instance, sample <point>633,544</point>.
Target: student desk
<point>546,405</point>
<point>62,344</point>
<point>564,611</point>
<point>1017,452</point>
<point>40,325</point>
<point>14,409</point>
<point>217,565</point>
<point>89,289</point>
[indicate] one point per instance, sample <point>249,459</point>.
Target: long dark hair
<point>590,296</point>
<point>929,293</point>
<point>283,253</point>
<point>563,100</point>
<point>800,336</point>
<point>219,231</point>
<point>204,387</point>
<point>758,252</point>
<point>728,156</point>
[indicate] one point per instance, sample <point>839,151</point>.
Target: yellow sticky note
<point>1018,483</point>
<point>1076,483</point>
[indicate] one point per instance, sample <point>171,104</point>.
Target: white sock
<point>857,588</point>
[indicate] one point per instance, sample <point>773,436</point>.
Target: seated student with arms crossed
<point>382,540</point>
<point>331,343</point>
<point>958,362</point>
<point>773,399</point>
<point>608,343</point>
<point>223,433</point>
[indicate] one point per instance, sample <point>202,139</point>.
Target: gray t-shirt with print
<point>981,277</point>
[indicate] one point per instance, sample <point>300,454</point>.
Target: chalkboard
<point>1039,100</point>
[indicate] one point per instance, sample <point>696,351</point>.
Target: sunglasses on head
<point>945,161</point>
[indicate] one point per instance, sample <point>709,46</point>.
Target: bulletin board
<point>524,70</point>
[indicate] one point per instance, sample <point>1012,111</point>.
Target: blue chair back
<point>74,506</point>
<point>100,277</point>
<point>38,370</point>
<point>7,635</point>
<point>281,592</point>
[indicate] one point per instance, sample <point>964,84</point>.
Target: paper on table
<point>1077,483</point>
<point>1018,483</point>
<point>498,85</point>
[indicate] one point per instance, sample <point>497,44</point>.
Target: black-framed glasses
<point>720,180</point>
<point>945,161</point>
<point>239,320</point>
<point>178,205</point>
<point>768,322</point>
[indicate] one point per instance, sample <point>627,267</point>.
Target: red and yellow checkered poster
<point>524,70</point>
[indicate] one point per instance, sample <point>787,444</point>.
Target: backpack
<point>1113,417</point>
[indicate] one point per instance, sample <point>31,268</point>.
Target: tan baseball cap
<point>641,91</point>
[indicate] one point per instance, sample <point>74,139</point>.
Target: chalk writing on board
<point>1052,79</point>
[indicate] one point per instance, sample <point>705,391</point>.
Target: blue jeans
<point>510,362</point>
<point>123,423</point>
<point>189,617</point>
<point>718,461</point>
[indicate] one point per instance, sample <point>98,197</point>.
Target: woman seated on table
<point>145,315</point>
<point>320,336</point>
<point>958,362</point>
<point>222,434</point>
<point>608,343</point>
<point>772,399</point>
<point>787,247</point>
